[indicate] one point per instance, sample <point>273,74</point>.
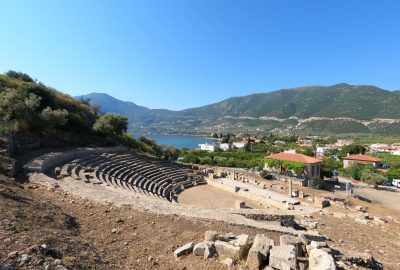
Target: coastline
<point>179,140</point>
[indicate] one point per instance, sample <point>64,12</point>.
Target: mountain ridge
<point>359,103</point>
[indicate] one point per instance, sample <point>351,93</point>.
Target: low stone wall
<point>247,195</point>
<point>50,160</point>
<point>282,220</point>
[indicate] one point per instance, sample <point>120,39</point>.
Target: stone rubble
<point>34,257</point>
<point>283,257</point>
<point>320,260</point>
<point>360,260</point>
<point>292,253</point>
<point>184,250</point>
<point>259,252</point>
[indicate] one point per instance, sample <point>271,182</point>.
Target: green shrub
<point>317,183</point>
<point>392,160</point>
<point>393,174</point>
<point>129,141</point>
<point>266,175</point>
<point>328,165</point>
<point>111,124</point>
<point>352,149</point>
<point>19,75</point>
<point>308,151</point>
<point>372,178</point>
<point>190,158</point>
<point>15,106</point>
<point>354,171</point>
<point>54,118</point>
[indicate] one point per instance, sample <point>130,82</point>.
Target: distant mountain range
<point>336,109</point>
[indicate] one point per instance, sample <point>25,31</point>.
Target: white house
<point>393,149</point>
<point>240,144</point>
<point>380,147</point>
<point>207,147</point>
<point>341,143</point>
<point>312,166</point>
<point>360,159</point>
<point>321,150</point>
<point>224,146</point>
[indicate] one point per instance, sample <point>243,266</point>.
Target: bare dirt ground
<point>81,231</point>
<point>89,235</point>
<point>209,196</point>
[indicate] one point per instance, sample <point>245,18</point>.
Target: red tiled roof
<point>362,158</point>
<point>294,157</point>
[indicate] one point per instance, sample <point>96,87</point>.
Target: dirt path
<point>209,196</point>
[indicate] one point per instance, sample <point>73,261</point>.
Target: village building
<point>312,166</point>
<point>341,143</point>
<point>240,144</point>
<point>321,150</point>
<point>305,141</point>
<point>360,159</point>
<point>393,149</point>
<point>207,147</point>
<point>225,146</point>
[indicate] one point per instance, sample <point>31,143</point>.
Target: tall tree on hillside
<point>19,75</point>
<point>111,124</point>
<point>352,149</point>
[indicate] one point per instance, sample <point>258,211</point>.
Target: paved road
<point>388,197</point>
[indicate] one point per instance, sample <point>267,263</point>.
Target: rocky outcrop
<point>259,252</point>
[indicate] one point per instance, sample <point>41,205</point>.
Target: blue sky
<point>178,54</point>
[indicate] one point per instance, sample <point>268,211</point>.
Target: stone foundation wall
<point>247,195</point>
<point>282,220</point>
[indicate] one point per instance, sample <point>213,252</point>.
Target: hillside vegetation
<point>28,106</point>
<point>342,100</point>
<point>336,109</point>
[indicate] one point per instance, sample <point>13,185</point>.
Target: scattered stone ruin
<point>260,252</point>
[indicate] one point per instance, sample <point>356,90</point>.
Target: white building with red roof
<point>240,144</point>
<point>312,166</point>
<point>360,159</point>
<point>341,143</point>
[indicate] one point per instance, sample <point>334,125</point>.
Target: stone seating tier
<point>137,172</point>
